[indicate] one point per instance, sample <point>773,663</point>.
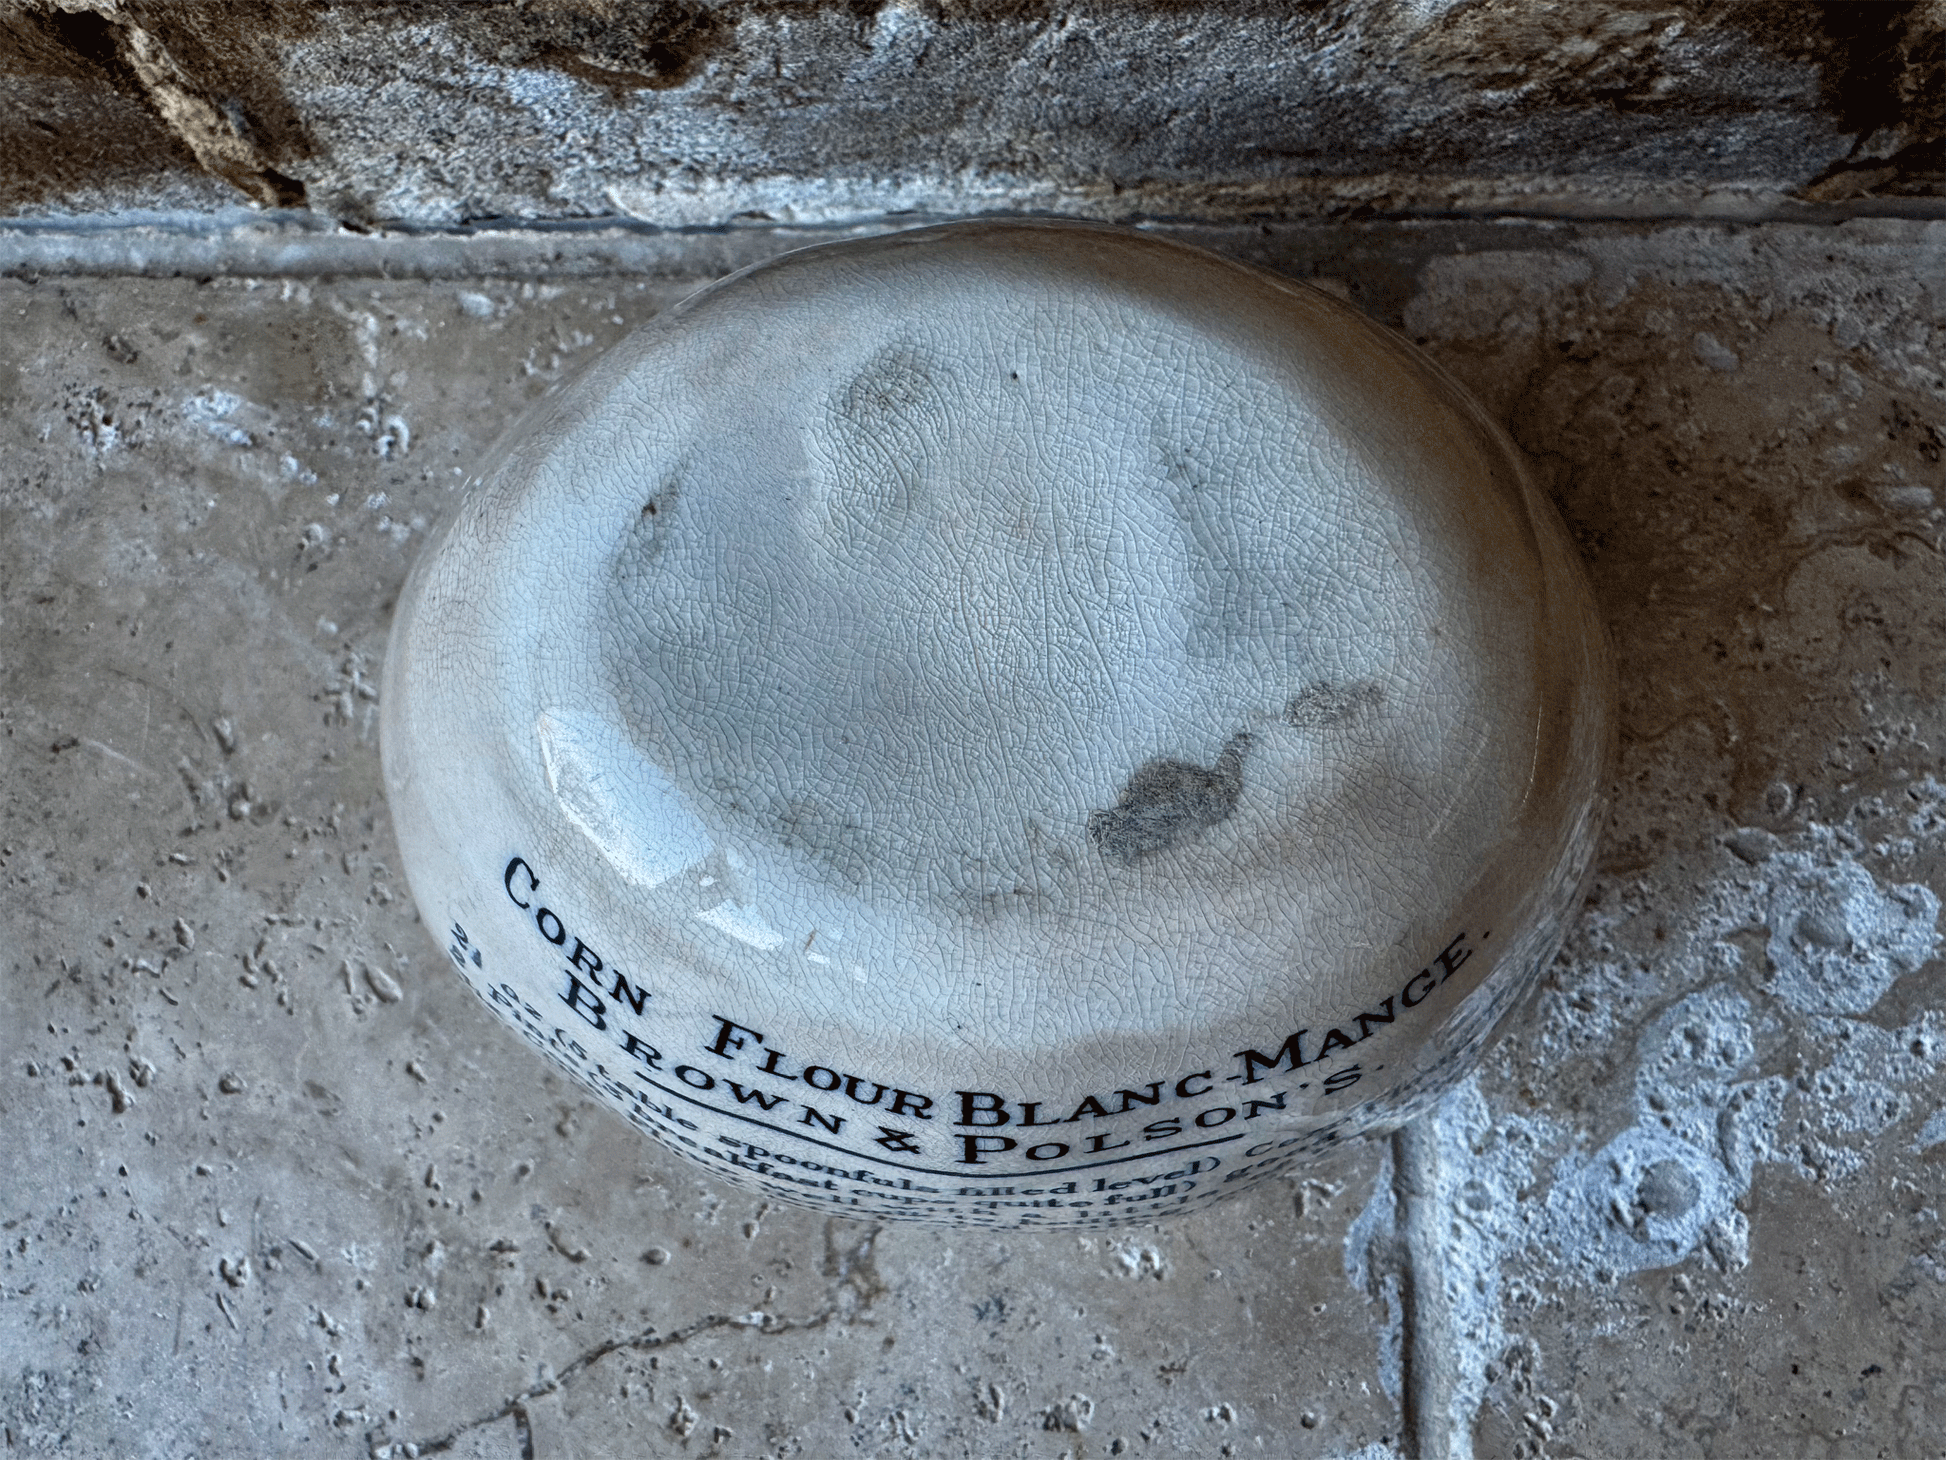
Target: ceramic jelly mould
<point>1004,724</point>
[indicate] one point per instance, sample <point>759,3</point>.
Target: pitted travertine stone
<point>1005,723</point>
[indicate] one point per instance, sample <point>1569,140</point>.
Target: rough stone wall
<point>684,113</point>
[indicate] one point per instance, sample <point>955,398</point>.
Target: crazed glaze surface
<point>1007,723</point>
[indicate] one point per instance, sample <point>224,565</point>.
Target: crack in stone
<point>515,1408</point>
<point>851,1267</point>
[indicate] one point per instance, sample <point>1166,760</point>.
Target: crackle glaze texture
<point>1002,724</point>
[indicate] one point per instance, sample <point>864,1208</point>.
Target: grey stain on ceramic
<point>1325,704</point>
<point>896,382</point>
<point>1166,801</point>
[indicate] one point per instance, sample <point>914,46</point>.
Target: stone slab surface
<point>279,1181</point>
<point>1695,1199</point>
<point>275,1184</point>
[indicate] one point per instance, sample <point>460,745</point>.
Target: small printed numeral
<point>461,947</point>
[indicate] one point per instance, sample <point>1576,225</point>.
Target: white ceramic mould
<point>1007,724</point>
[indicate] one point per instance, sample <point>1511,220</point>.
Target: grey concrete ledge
<point>281,244</point>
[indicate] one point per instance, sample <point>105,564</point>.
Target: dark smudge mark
<point>1165,801</point>
<point>656,519</point>
<point>891,385</point>
<point>1324,703</point>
